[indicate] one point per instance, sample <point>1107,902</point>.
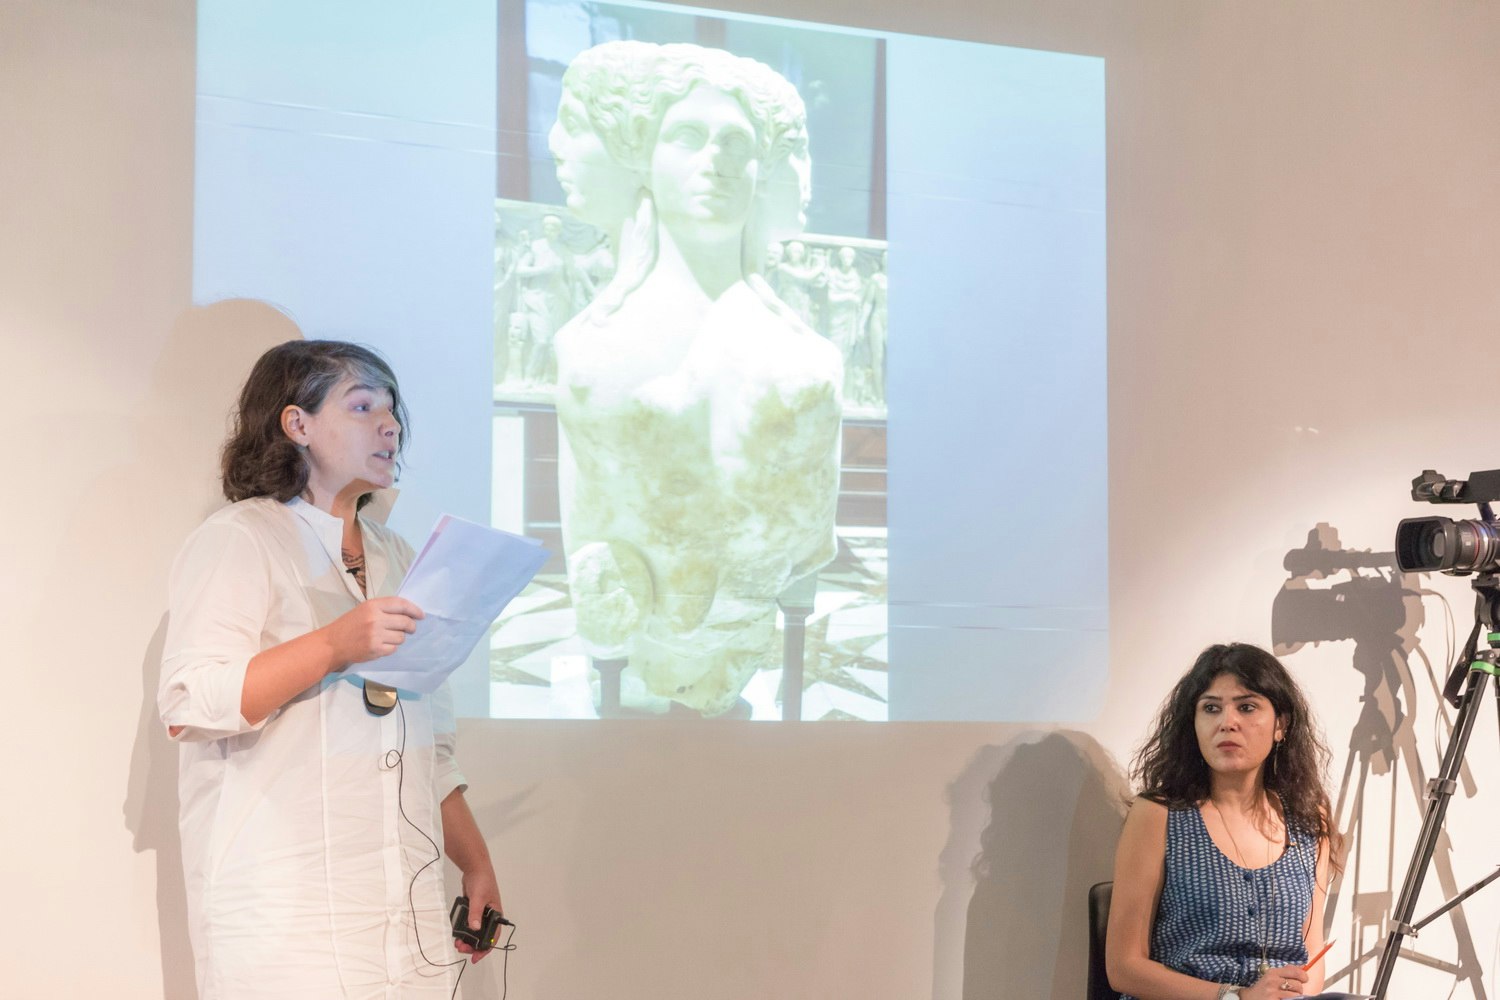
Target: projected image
<point>787,340</point>
<point>836,286</point>
<point>700,354</point>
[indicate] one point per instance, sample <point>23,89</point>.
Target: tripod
<point>1471,674</point>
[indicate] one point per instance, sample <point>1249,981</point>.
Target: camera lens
<point>1425,544</point>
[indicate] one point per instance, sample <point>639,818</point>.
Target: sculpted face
<point>600,191</point>
<point>703,168</point>
<point>786,190</point>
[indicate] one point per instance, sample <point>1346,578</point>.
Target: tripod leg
<point>1432,825</point>
<point>1442,863</point>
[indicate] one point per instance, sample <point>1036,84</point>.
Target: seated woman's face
<point>1236,727</point>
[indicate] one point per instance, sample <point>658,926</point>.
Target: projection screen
<point>787,340</point>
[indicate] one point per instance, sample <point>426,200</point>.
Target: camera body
<point>1445,545</point>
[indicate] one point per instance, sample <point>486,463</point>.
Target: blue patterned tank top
<point>1214,915</point>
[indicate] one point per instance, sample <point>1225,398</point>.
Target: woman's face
<point>1236,727</point>
<point>600,191</point>
<point>703,167</point>
<point>352,441</point>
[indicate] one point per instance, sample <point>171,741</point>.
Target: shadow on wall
<point>172,484</point>
<point>1035,823</point>
<point>1335,594</point>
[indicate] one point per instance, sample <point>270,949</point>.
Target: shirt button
<point>1249,877</point>
<point>1251,911</point>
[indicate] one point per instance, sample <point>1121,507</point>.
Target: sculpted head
<point>600,140</point>
<point>705,164</point>
<point>620,103</point>
<point>786,169</point>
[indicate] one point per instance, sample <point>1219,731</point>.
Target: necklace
<point>1264,914</point>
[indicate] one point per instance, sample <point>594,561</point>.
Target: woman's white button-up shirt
<point>301,835</point>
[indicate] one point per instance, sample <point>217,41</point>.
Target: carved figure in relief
<point>700,415</point>
<point>873,321</point>
<point>796,280</point>
<point>594,267</point>
<point>846,293</point>
<point>506,258</point>
<point>548,279</point>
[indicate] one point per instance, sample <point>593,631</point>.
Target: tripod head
<point>1486,613</point>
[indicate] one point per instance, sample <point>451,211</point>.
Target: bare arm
<point>1313,932</point>
<point>1139,875</point>
<point>465,845</point>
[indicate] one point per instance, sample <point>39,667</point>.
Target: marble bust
<point>700,415</point>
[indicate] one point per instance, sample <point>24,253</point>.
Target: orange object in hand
<point>1321,952</point>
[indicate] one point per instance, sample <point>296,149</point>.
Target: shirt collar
<point>379,507</point>
<point>330,534</point>
<point>376,511</point>
<point>328,529</point>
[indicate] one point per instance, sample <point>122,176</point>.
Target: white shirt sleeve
<point>219,599</point>
<point>446,777</point>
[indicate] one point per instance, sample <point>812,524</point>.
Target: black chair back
<point>1099,897</point>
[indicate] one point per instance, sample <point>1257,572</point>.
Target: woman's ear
<point>294,425</point>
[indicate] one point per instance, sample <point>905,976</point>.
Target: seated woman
<point>1222,870</point>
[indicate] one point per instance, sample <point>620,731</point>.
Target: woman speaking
<point>312,802</point>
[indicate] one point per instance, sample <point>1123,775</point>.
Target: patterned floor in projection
<point>539,670</point>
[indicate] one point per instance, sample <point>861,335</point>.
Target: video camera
<point>1458,548</point>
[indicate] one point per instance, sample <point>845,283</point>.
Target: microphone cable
<point>396,759</point>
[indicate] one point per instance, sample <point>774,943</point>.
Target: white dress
<point>299,864</point>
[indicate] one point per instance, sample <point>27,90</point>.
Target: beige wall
<point>1302,262</point>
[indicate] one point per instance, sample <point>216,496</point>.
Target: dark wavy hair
<point>1169,767</point>
<point>258,459</point>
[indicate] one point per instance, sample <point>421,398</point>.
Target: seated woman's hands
<point>1277,984</point>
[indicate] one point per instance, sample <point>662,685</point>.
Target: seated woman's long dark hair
<point>1169,767</point>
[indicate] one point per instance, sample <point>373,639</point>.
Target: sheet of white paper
<point>462,579</point>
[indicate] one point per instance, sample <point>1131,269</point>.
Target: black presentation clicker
<point>489,929</point>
